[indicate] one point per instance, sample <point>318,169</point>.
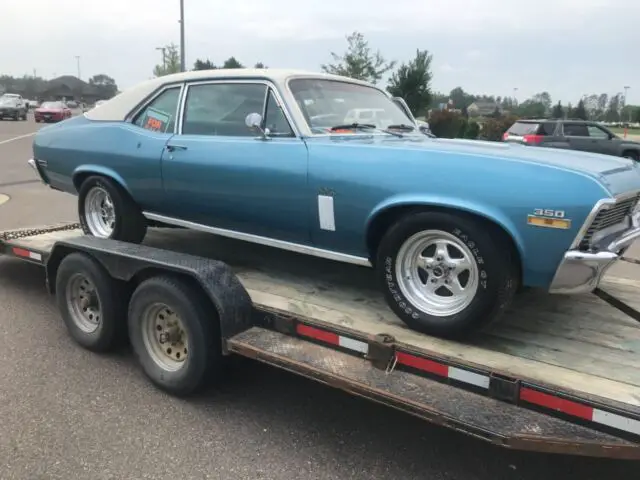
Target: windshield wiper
<point>352,126</point>
<point>355,126</point>
<point>402,126</point>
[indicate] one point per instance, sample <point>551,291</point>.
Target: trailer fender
<point>132,263</point>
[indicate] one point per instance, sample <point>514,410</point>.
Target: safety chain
<point>30,232</point>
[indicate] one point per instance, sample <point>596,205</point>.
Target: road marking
<point>18,138</point>
<point>3,198</point>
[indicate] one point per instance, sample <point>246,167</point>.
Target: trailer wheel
<point>445,274</point>
<point>175,335</point>
<point>90,303</point>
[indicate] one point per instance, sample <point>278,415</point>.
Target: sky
<point>565,47</point>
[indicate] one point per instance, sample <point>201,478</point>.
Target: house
<point>483,109</point>
<point>68,87</point>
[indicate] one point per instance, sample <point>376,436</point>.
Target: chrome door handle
<point>173,148</point>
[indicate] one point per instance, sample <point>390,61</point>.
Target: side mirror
<point>253,121</point>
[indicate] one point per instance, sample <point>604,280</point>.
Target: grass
<point>630,131</point>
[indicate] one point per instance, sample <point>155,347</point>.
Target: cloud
<point>492,46</point>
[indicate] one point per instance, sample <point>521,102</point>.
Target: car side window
<point>596,132</point>
<point>160,114</point>
<point>220,109</point>
<point>275,119</point>
<point>575,130</point>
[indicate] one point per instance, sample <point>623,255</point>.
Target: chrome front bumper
<point>581,272</point>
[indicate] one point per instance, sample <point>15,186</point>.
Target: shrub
<point>472,130</point>
<point>446,124</point>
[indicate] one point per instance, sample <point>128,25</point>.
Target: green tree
<point>204,65</point>
<point>171,63</point>
<point>104,84</point>
<point>260,65</point>
<point>558,111</point>
<point>358,61</point>
<point>231,62</point>
<point>579,112</point>
<point>412,82</point>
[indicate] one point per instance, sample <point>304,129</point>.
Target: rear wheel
<point>174,335</point>
<point>107,211</point>
<point>445,274</point>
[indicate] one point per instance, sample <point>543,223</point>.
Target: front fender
<point>87,170</point>
<point>487,211</point>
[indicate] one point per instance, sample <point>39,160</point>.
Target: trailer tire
<point>426,255</point>
<point>90,303</point>
<point>129,225</point>
<point>169,320</point>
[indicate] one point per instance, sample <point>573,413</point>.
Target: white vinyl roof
<point>117,108</point>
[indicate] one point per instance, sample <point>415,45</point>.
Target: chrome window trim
<point>131,116</point>
<point>307,127</point>
<point>602,204</point>
<point>260,81</point>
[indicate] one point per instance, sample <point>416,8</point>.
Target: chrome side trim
<point>269,242</point>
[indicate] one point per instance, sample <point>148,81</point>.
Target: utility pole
<point>182,49</point>
<point>164,57</point>
<point>78,63</point>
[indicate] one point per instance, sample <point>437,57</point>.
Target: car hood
<point>48,110</point>
<point>616,174</point>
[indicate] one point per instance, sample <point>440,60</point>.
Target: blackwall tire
<point>105,210</point>
<point>91,303</point>
<point>445,274</point>
<point>175,335</point>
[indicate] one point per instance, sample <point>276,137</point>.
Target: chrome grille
<point>609,217</point>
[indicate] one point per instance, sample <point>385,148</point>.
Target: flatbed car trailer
<point>557,374</point>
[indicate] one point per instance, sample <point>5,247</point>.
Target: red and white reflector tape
<point>21,252</point>
<point>480,380</point>
<point>579,410</point>
<point>406,359</point>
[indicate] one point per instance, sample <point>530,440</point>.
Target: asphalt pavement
<point>66,413</point>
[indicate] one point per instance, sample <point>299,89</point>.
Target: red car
<point>52,112</point>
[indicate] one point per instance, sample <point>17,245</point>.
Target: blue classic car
<point>334,167</point>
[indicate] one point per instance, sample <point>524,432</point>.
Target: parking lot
<point>67,413</point>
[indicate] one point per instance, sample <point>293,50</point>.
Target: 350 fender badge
<point>549,218</point>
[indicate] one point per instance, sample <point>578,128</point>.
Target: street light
<point>182,59</point>
<point>164,57</point>
<point>78,63</point>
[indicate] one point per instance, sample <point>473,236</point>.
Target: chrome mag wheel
<point>437,273</point>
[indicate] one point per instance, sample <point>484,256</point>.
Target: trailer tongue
<point>558,374</point>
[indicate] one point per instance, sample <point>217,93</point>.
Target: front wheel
<point>444,274</point>
<point>105,210</point>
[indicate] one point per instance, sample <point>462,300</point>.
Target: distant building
<point>69,87</point>
<point>483,109</point>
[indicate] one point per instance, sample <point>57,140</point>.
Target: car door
<point>138,153</point>
<point>577,136</point>
<point>604,141</point>
<point>219,174</point>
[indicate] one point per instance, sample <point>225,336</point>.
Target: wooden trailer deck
<point>577,344</point>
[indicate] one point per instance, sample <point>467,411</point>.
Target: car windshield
<point>327,104</point>
<point>51,105</point>
<point>8,101</point>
